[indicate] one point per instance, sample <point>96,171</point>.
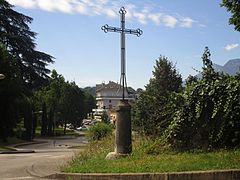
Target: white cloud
<point>141,17</point>
<point>110,13</point>
<point>186,22</point>
<point>110,9</point>
<point>155,17</point>
<point>46,5</point>
<point>23,3</point>
<point>131,8</point>
<point>229,47</point>
<point>170,21</point>
<point>64,6</point>
<point>81,8</point>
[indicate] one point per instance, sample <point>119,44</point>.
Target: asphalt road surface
<point>50,155</point>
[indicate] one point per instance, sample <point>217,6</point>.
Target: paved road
<point>48,158</point>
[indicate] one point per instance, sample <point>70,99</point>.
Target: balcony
<point>114,98</point>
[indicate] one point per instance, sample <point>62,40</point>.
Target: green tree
<point>44,120</point>
<point>191,79</point>
<point>72,106</point>
<point>24,67</point>
<point>90,102</point>
<point>19,40</point>
<point>154,109</point>
<point>53,93</point>
<point>28,120</point>
<point>62,102</point>
<point>11,92</point>
<point>47,99</point>
<point>233,6</point>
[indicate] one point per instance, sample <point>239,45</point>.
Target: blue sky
<point>70,30</point>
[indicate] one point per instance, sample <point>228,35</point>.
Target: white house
<point>108,97</point>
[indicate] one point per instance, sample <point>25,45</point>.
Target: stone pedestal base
<point>123,134</point>
<point>114,155</point>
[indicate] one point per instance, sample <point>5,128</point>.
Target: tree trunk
<point>65,126</point>
<point>44,120</point>
<point>28,124</point>
<point>34,118</point>
<point>50,122</point>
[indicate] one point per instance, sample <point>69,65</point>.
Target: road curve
<point>49,156</point>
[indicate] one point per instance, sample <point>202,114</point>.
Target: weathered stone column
<point>123,135</point>
<point>123,138</point>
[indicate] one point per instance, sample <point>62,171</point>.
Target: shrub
<point>99,131</point>
<point>105,118</point>
<point>209,115</point>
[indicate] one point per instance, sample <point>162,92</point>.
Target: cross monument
<point>123,134</point>
<point>122,30</point>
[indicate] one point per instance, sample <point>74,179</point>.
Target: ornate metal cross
<point>123,31</point>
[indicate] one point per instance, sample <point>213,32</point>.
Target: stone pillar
<point>123,135</point>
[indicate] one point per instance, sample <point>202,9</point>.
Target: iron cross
<point>122,30</point>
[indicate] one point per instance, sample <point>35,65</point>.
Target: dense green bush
<point>205,115</point>
<point>99,131</point>
<point>209,116</point>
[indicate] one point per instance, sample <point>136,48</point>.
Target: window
<point>110,101</point>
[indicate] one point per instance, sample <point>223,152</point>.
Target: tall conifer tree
<point>17,37</point>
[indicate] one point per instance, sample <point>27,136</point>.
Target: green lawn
<point>92,160</point>
<point>10,141</point>
<point>3,148</point>
<point>58,132</point>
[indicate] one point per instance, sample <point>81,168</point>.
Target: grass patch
<point>3,148</point>
<point>58,132</point>
<point>10,141</point>
<point>69,132</point>
<point>92,160</point>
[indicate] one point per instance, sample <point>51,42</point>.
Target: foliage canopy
<point>153,111</point>
<point>233,6</point>
<point>209,116</point>
<point>204,115</point>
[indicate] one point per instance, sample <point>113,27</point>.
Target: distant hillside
<point>231,67</point>
<point>90,90</point>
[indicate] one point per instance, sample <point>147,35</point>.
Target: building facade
<point>108,97</point>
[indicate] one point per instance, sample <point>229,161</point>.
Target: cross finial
<point>122,11</point>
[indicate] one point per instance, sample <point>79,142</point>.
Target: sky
<point>70,31</point>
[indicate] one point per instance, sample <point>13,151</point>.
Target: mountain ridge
<point>231,67</point>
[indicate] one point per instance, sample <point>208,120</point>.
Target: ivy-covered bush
<point>209,116</point>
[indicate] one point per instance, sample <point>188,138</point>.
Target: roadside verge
<point>232,174</point>
<point>16,150</point>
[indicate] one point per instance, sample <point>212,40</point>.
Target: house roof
<point>113,86</point>
<point>110,85</point>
